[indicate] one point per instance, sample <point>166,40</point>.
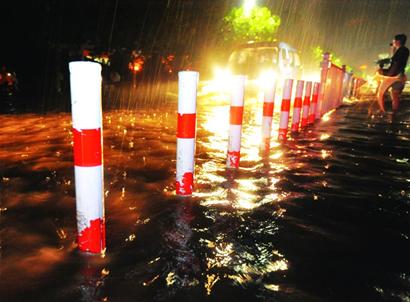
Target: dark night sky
<point>356,30</point>
<point>364,23</point>
<point>343,25</point>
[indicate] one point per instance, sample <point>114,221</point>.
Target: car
<point>255,59</point>
<point>262,63</point>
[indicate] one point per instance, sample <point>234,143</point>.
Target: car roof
<point>285,45</point>
<point>252,44</point>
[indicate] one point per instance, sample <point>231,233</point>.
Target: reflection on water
<point>324,217</point>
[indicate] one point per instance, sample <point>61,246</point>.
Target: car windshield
<point>252,60</point>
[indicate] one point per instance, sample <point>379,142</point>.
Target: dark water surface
<point>324,217</point>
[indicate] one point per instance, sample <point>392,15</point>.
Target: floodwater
<point>323,217</point>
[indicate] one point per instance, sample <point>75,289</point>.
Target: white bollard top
<point>287,89</point>
<point>238,90</point>
<point>269,93</point>
<point>85,82</point>
<point>308,89</point>
<point>316,88</point>
<point>187,86</point>
<point>299,88</point>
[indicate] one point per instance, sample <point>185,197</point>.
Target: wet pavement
<point>323,217</point>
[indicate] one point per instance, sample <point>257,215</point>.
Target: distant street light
<point>248,5</point>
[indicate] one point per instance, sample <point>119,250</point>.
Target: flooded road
<point>323,217</point>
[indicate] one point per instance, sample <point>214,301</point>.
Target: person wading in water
<point>397,67</point>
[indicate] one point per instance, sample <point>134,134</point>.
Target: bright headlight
<point>312,77</point>
<point>220,82</point>
<point>267,78</point>
<point>221,74</point>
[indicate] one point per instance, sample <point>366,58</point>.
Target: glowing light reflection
<point>217,122</point>
<point>210,282</point>
<point>222,255</point>
<point>325,154</point>
<point>327,116</point>
<point>272,287</point>
<point>324,136</point>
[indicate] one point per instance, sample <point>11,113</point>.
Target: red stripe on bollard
<point>285,105</point>
<point>233,158</point>
<point>315,98</point>
<point>92,238</point>
<point>284,120</point>
<point>185,187</point>
<point>297,105</point>
<point>236,115</point>
<point>306,106</point>
<point>87,147</point>
<point>186,125</point>
<point>295,127</point>
<point>284,110</point>
<point>282,134</point>
<point>268,109</point>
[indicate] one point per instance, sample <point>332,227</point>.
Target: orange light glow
<point>136,65</point>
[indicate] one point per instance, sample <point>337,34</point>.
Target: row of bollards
<point>303,115</point>
<point>85,80</point>
<point>305,110</point>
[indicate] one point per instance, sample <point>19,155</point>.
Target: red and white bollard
<point>313,104</point>
<point>236,115</point>
<point>355,86</point>
<point>187,90</point>
<point>268,108</point>
<point>321,105</point>
<point>284,110</point>
<point>306,104</point>
<point>85,82</point>
<point>297,106</point>
<point>342,76</point>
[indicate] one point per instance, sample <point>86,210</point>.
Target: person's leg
<point>395,96</point>
<point>395,93</point>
